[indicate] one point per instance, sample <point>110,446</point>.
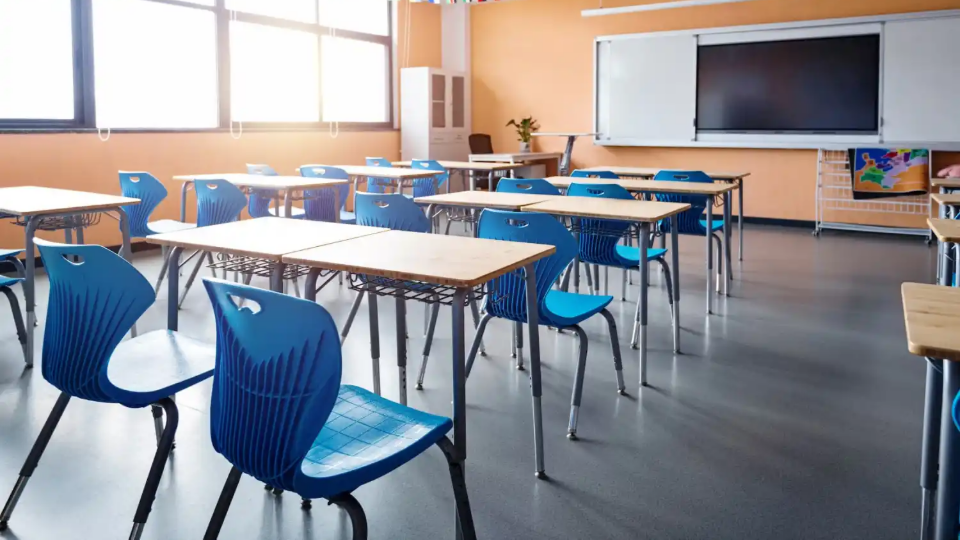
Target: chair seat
<point>348,218</point>
<point>169,225</point>
<point>630,256</point>
<point>9,281</point>
<point>6,253</point>
<point>717,223</point>
<point>156,365</point>
<point>566,308</point>
<point>365,437</point>
<point>298,213</point>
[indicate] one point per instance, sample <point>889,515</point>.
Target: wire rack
<point>259,267</point>
<point>417,290</point>
<point>835,196</point>
<point>61,223</point>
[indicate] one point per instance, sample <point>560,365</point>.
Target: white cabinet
<point>434,114</point>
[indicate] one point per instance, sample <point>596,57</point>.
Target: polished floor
<point>794,412</point>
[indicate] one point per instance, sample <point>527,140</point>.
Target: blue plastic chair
<point>93,303</point>
<point>425,187</point>
<point>320,203</point>
<point>6,287</point>
<point>218,202</point>
<point>692,222</point>
<point>602,247</point>
<point>144,186</point>
<point>533,186</point>
<point>506,295</point>
<point>606,175</point>
<point>376,185</point>
<point>279,412</point>
<point>260,199</point>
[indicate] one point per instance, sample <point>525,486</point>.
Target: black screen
<point>810,85</point>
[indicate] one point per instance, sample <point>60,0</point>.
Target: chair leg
<point>156,469</point>
<point>466,529</point>
<point>193,276</point>
<point>481,328</point>
<point>157,421</point>
<point>18,321</point>
<point>446,230</point>
<point>33,458</point>
<point>223,504</point>
<point>374,340</point>
<point>296,287</point>
<point>426,318</point>
<point>577,382</point>
<point>431,327</point>
<point>353,314</point>
<point>214,270</point>
<point>668,280</point>
<point>357,517</point>
<point>719,262</point>
<point>635,334</point>
<point>589,273</point>
<point>615,345</point>
<point>475,312</point>
<point>623,286</point>
<point>518,328</point>
<point>165,253</point>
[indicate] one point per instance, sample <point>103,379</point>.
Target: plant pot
<point>524,148</point>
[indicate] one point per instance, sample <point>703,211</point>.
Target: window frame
<point>84,80</point>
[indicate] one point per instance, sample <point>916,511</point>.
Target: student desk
<point>519,157</point>
<point>32,206</point>
<point>710,191</point>
<point>643,213</point>
<point>932,317</point>
<point>469,170</point>
<point>287,184</point>
<point>457,265</point>
<point>730,177</point>
<point>947,232</point>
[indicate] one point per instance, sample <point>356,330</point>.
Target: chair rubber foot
<point>419,386</point>
<point>513,355</point>
<point>634,347</point>
<point>3,525</point>
<point>572,436</point>
<point>622,392</point>
<point>521,368</point>
<point>306,504</point>
<point>268,487</point>
<point>277,491</point>
<point>542,475</point>
<point>483,354</point>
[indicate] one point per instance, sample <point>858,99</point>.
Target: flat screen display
<point>824,85</point>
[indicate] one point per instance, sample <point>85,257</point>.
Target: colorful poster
<point>884,172</point>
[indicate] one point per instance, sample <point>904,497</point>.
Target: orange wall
<point>535,57</point>
<point>82,162</point>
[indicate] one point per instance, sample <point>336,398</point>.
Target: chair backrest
<point>599,237</point>
<point>378,162</point>
<point>320,204</point>
<point>606,175</point>
<point>532,186</point>
<point>374,185</point>
<point>425,187</point>
<point>276,379</point>
<point>391,211</point>
<point>480,143</point>
<point>507,294</point>
<point>259,205</point>
<point>218,201</point>
<point>689,220</point>
<point>144,186</point>
<point>93,303</point>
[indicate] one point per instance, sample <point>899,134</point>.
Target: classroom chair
<point>425,187</point>
<point>606,175</point>
<point>532,186</point>
<point>396,212</point>
<point>95,298</point>
<point>480,143</point>
<point>218,202</point>
<point>320,203</point>
<point>151,192</point>
<point>376,185</point>
<point>506,295</point>
<point>6,287</point>
<point>312,436</point>
<point>260,198</point>
<point>600,246</point>
<point>692,222</point>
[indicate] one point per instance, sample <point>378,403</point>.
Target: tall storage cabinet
<point>434,114</point>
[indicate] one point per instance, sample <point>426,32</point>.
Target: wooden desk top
<point>34,201</point>
<point>650,172</point>
<point>266,238</point>
<point>467,166</point>
<point>649,186</point>
<point>486,199</point>
<point>946,230</point>
<point>949,183</point>
<point>260,181</point>
<point>392,173</point>
<point>515,158</point>
<point>454,261</point>
<point>617,209</point>
<point>931,314</point>
<point>947,199</point>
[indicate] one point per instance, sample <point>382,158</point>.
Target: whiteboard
<point>921,80</point>
<point>646,89</point>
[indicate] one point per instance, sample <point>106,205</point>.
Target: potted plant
<point>525,130</point>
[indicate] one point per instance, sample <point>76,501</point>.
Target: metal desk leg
<point>941,248</point>
<point>929,459</point>
<point>276,278</point>
<point>126,250</point>
<point>459,377</point>
<point>287,204</point>
<point>173,288</point>
<point>402,347</point>
<point>374,340</point>
<point>709,255</point>
<point>675,268</point>
<point>727,236</point>
<point>533,323</point>
<point>641,329</point>
<point>336,204</point>
<point>29,284</point>
<point>310,287</point>
<point>567,158</point>
<point>948,489</point>
<point>739,182</point>
<point>183,201</point>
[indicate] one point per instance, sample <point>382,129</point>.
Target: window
<point>194,64</point>
<point>36,60</point>
<point>156,65</point>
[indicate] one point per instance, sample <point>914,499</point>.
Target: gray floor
<point>793,413</point>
